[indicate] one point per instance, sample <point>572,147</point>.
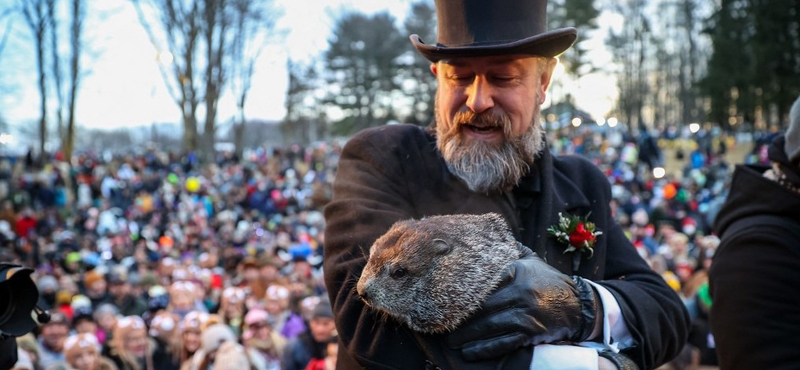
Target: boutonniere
<point>577,233</point>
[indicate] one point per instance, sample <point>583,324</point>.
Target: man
<point>51,339</point>
<point>755,314</point>
<point>313,343</point>
<point>121,295</point>
<point>486,152</point>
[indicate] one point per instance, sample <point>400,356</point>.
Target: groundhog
<point>431,274</point>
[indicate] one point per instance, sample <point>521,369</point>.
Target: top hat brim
<point>548,44</point>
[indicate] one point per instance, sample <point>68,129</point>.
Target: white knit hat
<point>792,146</point>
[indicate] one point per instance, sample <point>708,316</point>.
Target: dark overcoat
<point>391,173</point>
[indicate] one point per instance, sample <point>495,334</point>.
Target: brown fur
<point>431,274</point>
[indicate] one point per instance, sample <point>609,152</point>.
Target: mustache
<point>490,118</point>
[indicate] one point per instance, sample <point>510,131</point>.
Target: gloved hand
<point>534,304</point>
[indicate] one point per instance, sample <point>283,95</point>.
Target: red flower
<point>580,236</point>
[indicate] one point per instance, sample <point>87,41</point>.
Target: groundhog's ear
<point>441,247</point>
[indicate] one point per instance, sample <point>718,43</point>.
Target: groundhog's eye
<point>398,273</point>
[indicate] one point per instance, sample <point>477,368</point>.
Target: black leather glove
<point>621,361</point>
<point>534,304</point>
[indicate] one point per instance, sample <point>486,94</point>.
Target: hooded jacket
<point>753,280</point>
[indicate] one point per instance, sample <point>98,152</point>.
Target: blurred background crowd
<point>151,261</point>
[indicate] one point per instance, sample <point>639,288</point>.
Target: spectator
<point>313,343</point>
<point>119,289</point>
<point>265,346</point>
<point>753,277</point>
<point>130,347</point>
<point>94,284</point>
<point>82,352</point>
<point>51,339</point>
<point>188,341</point>
<point>214,337</point>
<point>106,317</point>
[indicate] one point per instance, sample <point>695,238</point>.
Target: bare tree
<point>215,31</point>
<point>200,35</point>
<point>419,84</point>
<point>253,27</point>
<point>177,44</point>
<point>629,47</point>
<point>76,29</point>
<point>55,61</point>
<point>36,14</point>
<point>7,31</point>
<point>302,109</point>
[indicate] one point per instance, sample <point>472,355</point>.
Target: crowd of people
<point>153,262</point>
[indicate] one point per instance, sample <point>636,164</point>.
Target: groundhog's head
<point>431,274</point>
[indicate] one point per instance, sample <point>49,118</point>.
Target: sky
<point>123,87</point>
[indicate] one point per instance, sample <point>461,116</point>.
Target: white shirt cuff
<point>564,357</point>
<point>615,333</point>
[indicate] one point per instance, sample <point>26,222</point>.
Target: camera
<point>18,297</point>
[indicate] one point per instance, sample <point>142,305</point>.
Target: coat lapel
<point>559,194</point>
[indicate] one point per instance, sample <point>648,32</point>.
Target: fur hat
<point>231,356</point>
<point>792,145</point>
<point>214,336</point>
<point>479,28</point>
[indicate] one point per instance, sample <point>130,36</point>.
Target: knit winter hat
<point>91,277</point>
<point>792,145</point>
<point>47,282</point>
<point>322,310</point>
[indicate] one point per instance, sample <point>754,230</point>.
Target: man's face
<point>322,329</point>
<point>96,289</point>
<point>119,289</point>
<point>54,335</point>
<point>487,111</point>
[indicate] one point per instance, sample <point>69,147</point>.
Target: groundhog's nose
<point>361,289</point>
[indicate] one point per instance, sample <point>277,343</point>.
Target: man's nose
<point>480,95</point>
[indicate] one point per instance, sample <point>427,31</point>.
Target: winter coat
<point>392,173</point>
<point>754,279</point>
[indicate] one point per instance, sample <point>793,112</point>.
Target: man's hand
<point>534,304</point>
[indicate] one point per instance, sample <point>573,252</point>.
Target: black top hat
<point>494,27</point>
<point>18,296</point>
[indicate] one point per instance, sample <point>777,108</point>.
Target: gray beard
<point>486,167</point>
